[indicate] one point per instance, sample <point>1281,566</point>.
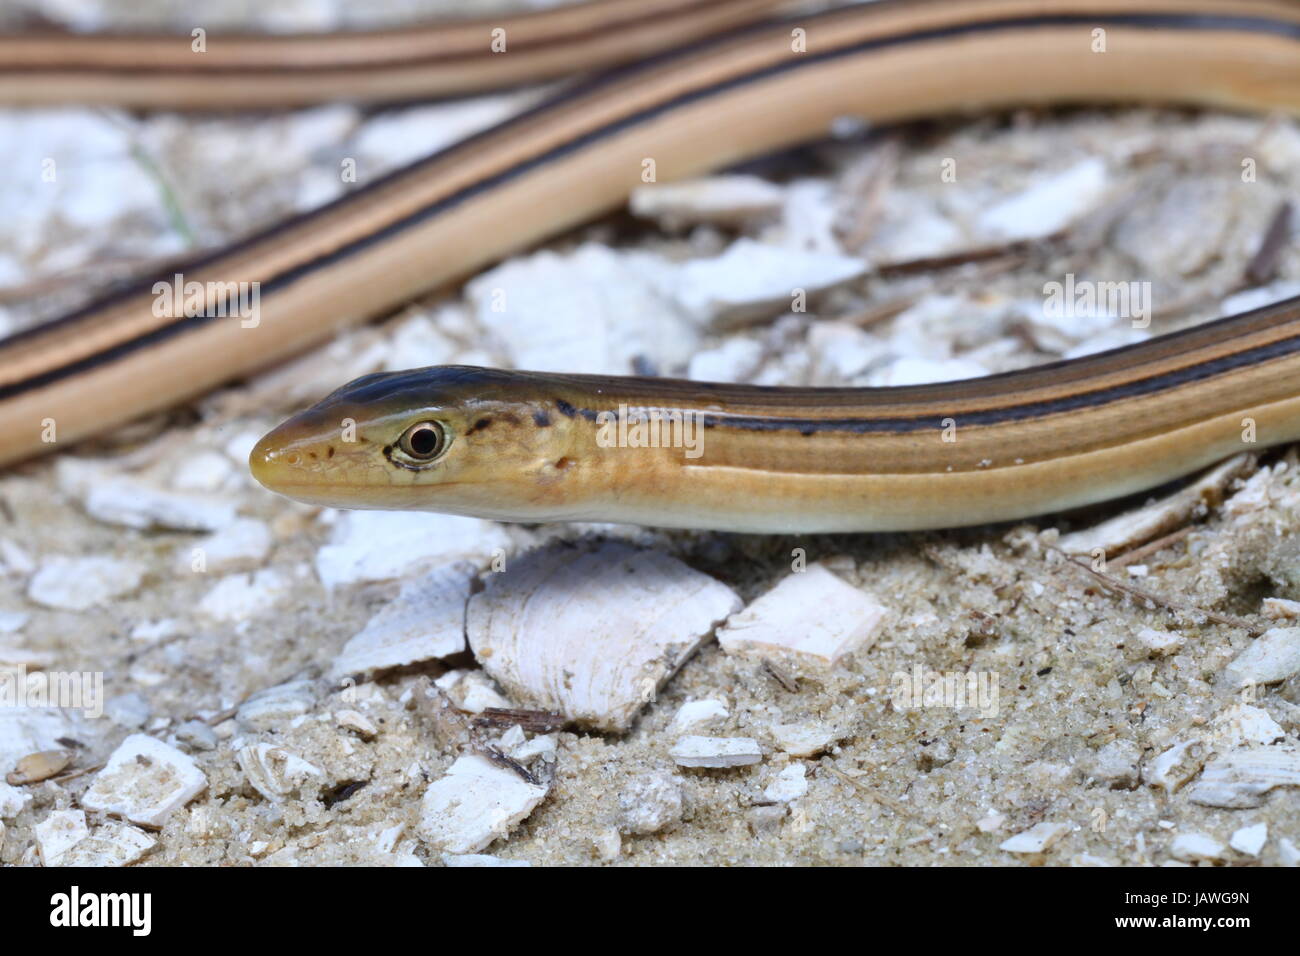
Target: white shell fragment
<point>1144,524</point>
<point>812,617</point>
<point>1174,767</point>
<point>274,772</point>
<point>1242,725</point>
<point>1280,609</point>
<point>1195,847</point>
<point>277,705</point>
<point>58,833</point>
<point>77,584</point>
<point>790,784</point>
<point>1273,656</point>
<point>240,546</point>
<point>1037,839</point>
<point>696,712</point>
<point>425,621</point>
<point>1050,203</point>
<point>1241,779</point>
<point>600,659</point>
<point>695,751</point>
<point>1250,839</point>
<point>752,280</point>
<point>133,504</point>
<point>12,800</point>
<point>726,200</point>
<point>382,545</point>
<point>474,804</point>
<point>1160,643</point>
<point>238,597</point>
<point>144,781</point>
<point>113,844</point>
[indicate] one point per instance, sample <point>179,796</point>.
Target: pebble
<point>424,622</point>
<point>13,621</point>
<point>696,751</point>
<point>272,707</point>
<point>1243,725</point>
<point>803,740</point>
<point>812,617</point>
<point>78,584</point>
<point>600,660</point>
<point>383,545</point>
<point>650,803</point>
<point>475,803</point>
<point>1160,643</point>
<point>131,711</point>
<point>144,781</point>
<point>204,470</point>
<point>12,801</point>
<point>197,735</point>
<point>1116,764</point>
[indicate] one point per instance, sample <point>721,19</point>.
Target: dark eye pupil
<point>423,440</point>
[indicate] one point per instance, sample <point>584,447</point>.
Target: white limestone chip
<point>1175,766</point>
<point>1160,517</point>
<point>238,597</point>
<point>803,740</point>
<point>205,470</point>
<point>144,781</point>
<point>599,660</point>
<point>790,784</point>
<point>240,546</point>
<point>1195,847</point>
<point>58,833</point>
<point>1160,643</point>
<point>12,800</point>
<point>382,545</point>
<point>113,844</point>
<point>650,803</point>
<point>693,713</point>
<point>1037,839</point>
<point>1050,204</point>
<point>1273,656</point>
<point>696,751</point>
<point>813,617</point>
<point>726,200</point>
<point>474,804</point>
<point>753,280</point>
<point>1243,725</point>
<point>1249,839</point>
<point>424,622</point>
<point>134,504</point>
<point>276,773</point>
<point>1242,778</point>
<point>471,690</point>
<point>78,584</point>
<point>594,308</point>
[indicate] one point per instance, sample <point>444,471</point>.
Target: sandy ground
<point>1094,685</point>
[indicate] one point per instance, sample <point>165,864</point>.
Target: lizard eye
<point>423,441</point>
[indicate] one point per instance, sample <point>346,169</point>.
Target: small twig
<point>534,721</point>
<point>1150,548</point>
<point>780,676</point>
<point>888,802</point>
<point>1159,601</point>
<point>1263,264</point>
<point>510,763</point>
